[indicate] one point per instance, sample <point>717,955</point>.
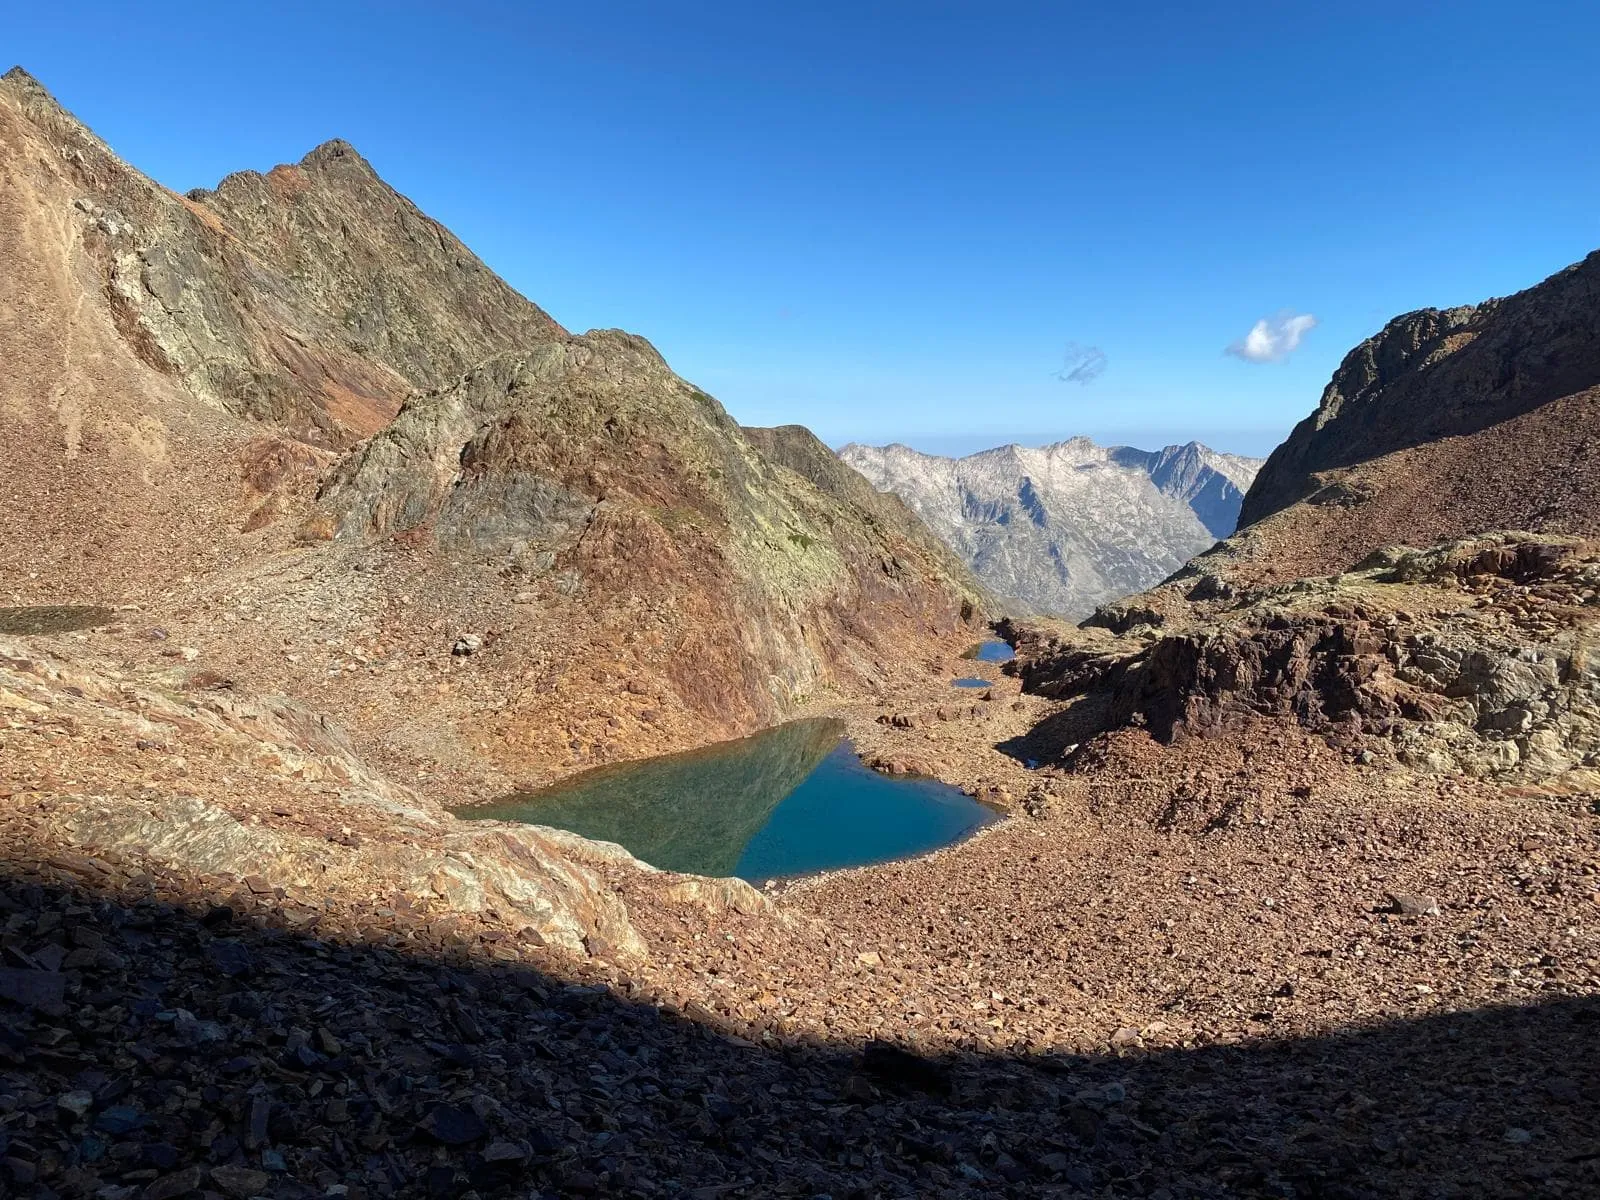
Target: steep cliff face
<point>1070,526</point>
<point>1447,423</point>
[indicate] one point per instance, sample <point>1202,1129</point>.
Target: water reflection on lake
<point>787,801</point>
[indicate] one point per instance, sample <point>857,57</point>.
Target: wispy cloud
<point>1081,364</point>
<point>1274,338</point>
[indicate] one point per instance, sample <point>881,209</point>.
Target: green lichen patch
<point>53,618</point>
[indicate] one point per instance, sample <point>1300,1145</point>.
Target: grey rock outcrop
<point>1505,686</point>
<point>1067,527</point>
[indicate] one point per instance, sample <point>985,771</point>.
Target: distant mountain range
<point>1063,528</point>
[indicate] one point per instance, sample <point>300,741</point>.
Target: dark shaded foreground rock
<point>358,1070</point>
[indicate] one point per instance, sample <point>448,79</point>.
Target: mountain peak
<point>336,151</point>
<point>1449,422</point>
<point>1068,526</point>
<point>36,101</point>
<point>23,81</point>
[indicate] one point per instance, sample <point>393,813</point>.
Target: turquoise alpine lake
<point>970,681</point>
<point>791,800</point>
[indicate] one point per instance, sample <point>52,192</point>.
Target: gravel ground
<point>1178,979</point>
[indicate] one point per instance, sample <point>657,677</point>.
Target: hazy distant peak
<point>1064,527</point>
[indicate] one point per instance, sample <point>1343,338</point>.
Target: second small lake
<point>787,801</point>
<point>992,651</point>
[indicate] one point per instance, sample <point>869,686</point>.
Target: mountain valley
<point>320,532</point>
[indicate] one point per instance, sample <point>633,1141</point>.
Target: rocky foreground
<point>1242,966</point>
<point>1320,1045</point>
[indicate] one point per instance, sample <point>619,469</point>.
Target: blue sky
<point>888,221</point>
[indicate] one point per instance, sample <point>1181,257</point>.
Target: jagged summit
<point>1065,527</point>
<point>333,154</point>
<point>22,79</point>
<point>333,148</point>
<point>35,99</point>
<point>313,297</point>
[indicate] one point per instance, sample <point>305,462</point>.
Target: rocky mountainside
<point>1469,435</point>
<point>1067,527</point>
<point>243,337</point>
<point>672,582</point>
<point>314,296</point>
<point>306,304</point>
<point>1448,422</point>
<point>298,442</point>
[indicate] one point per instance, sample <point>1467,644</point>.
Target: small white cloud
<point>1274,338</point>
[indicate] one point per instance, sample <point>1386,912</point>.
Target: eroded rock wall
<point>1478,656</point>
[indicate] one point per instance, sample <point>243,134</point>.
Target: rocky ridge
<point>314,297</point>
<point>1070,526</point>
<point>1447,423</point>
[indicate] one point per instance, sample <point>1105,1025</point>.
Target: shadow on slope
<point>1057,736</point>
<point>148,1050</point>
